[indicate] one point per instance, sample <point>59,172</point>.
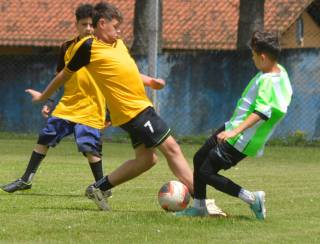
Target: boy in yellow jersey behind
<point>81,111</point>
<point>78,112</point>
<point>116,74</point>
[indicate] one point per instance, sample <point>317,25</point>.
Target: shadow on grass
<point>82,209</point>
<point>39,194</point>
<point>239,217</point>
<point>220,218</point>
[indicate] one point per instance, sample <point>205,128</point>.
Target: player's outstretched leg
<point>177,162</point>
<point>145,159</point>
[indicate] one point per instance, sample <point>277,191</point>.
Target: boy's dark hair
<point>107,11</point>
<point>266,42</point>
<point>84,11</point>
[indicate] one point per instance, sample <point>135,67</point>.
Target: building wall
<point>201,93</point>
<point>311,34</point>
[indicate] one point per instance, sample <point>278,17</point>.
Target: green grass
<point>56,211</point>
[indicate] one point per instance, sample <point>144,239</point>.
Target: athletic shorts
<point>147,128</point>
<point>222,155</point>
<point>88,139</point>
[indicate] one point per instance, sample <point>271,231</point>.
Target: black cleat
<point>18,185</point>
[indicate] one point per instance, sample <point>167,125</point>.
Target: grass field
<point>56,211</point>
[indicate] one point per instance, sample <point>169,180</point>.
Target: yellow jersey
<point>82,101</point>
<point>114,71</point>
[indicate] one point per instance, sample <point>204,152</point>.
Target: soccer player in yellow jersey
<point>116,75</point>
<point>78,112</point>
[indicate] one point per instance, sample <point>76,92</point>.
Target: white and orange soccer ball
<point>173,196</point>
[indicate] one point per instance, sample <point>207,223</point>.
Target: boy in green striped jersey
<point>261,107</point>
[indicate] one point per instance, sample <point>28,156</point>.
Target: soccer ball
<point>173,196</point>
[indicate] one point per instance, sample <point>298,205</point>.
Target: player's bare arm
<point>57,82</point>
<point>154,83</point>
<point>249,122</point>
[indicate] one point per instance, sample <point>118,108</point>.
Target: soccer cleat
<point>258,207</point>
<point>193,212</point>
<point>18,185</point>
<point>98,197</point>
<point>107,194</point>
<point>213,209</point>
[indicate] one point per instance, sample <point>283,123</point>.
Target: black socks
<point>97,170</point>
<point>33,165</point>
<point>103,184</point>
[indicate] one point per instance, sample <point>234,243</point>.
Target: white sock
<point>199,203</point>
<point>246,196</point>
<point>30,177</point>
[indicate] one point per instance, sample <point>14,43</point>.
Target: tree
<point>251,18</point>
<point>143,28</point>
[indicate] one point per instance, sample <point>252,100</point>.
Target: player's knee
<point>154,159</point>
<point>148,157</point>
<point>92,157</point>
<point>173,148</point>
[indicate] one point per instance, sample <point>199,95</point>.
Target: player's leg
<point>209,173</point>
<point>153,132</point>
<point>198,159</point>
<point>89,142</point>
<point>177,162</point>
<point>38,154</point>
<point>49,136</point>
<point>139,130</point>
<point>201,205</point>
<point>224,156</point>
<point>144,159</point>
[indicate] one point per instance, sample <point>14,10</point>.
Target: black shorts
<point>221,155</point>
<point>147,128</point>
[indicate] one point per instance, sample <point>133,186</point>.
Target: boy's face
<point>108,31</point>
<point>84,27</point>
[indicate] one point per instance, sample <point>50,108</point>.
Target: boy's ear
<point>101,22</point>
<point>263,56</point>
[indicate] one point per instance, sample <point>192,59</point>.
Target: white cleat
<point>213,209</point>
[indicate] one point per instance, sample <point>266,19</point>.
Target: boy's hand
<point>157,84</point>
<point>46,109</point>
<point>225,135</point>
<point>36,96</point>
<point>107,124</point>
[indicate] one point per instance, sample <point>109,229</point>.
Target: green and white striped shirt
<point>269,94</point>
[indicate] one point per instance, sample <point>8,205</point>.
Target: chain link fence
<point>202,86</point>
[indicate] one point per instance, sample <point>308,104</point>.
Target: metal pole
<point>153,45</point>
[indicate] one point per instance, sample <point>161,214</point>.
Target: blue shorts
<point>88,139</point>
